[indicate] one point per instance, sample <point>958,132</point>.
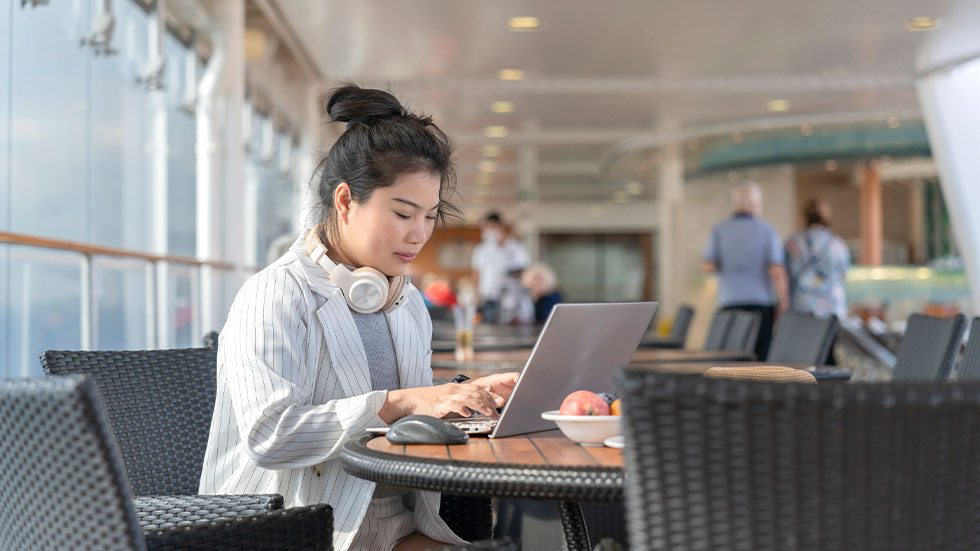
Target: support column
<point>670,199</point>
<point>948,89</point>
<point>220,160</point>
<point>871,221</point>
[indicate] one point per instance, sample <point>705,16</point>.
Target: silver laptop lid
<point>580,348</point>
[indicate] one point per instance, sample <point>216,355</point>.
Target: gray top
<point>379,349</point>
<point>743,247</point>
<point>383,366</point>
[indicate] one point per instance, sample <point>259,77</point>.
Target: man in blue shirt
<point>746,253</point>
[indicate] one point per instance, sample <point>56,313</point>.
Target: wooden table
<point>514,360</point>
<point>543,465</point>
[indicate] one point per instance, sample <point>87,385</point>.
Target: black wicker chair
<point>738,465</point>
<point>159,404</point>
<point>682,323</point>
<point>928,348</point>
<point>744,331</point>
<point>721,323</point>
<point>969,369</point>
<point>62,486</point>
<point>802,338</point>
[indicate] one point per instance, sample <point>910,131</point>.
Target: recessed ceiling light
<point>523,23</point>
<point>830,165</point>
<point>502,107</point>
<point>634,188</point>
<point>487,167</point>
<point>510,74</point>
<point>738,137</point>
<point>495,131</point>
<point>925,23</point>
<point>892,122</point>
<point>777,105</point>
<point>806,130</point>
<point>491,150</point>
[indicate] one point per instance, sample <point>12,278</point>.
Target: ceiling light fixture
<point>806,130</point>
<point>502,107</point>
<point>778,105</point>
<point>495,131</point>
<point>893,122</point>
<point>510,74</point>
<point>924,23</point>
<point>491,150</point>
<point>523,23</point>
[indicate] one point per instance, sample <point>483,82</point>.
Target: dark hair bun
<point>353,102</point>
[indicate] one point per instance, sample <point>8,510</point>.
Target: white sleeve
<point>263,353</point>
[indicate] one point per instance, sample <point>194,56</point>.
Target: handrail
<point>84,248</point>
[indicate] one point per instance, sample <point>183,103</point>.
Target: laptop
<point>580,348</point>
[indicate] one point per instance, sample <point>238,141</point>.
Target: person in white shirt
<point>332,339</point>
<point>497,261</point>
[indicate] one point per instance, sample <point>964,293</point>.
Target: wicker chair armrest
<point>294,529</point>
<point>162,512</point>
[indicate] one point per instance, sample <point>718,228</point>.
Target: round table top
<point>542,465</point>
<point>514,360</point>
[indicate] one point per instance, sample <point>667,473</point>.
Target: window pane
<point>6,317</point>
<point>120,112</point>
<point>276,206</point>
<point>182,312</point>
<point>49,91</point>
<point>120,294</point>
<point>44,308</point>
<point>6,7</point>
<point>181,159</point>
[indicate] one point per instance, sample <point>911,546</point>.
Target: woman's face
<point>390,228</point>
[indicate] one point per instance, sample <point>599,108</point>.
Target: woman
<point>332,339</point>
<point>817,261</point>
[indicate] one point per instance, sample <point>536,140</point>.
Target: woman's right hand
<point>439,401</point>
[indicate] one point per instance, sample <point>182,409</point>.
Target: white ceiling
<point>602,73</point>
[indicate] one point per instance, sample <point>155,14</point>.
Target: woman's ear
<point>342,200</point>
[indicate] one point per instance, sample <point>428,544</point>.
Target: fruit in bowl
<point>583,402</point>
<point>584,417</point>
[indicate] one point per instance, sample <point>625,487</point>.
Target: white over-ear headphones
<point>366,290</point>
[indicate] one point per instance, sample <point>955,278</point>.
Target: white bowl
<point>588,430</point>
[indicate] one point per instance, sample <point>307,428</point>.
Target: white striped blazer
<point>294,387</point>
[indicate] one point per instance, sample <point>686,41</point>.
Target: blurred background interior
<point>153,153</point>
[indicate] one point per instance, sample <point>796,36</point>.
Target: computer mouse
<point>425,429</point>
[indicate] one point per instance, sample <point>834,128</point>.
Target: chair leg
<point>573,523</point>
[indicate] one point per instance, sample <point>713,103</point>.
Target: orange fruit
<point>616,408</point>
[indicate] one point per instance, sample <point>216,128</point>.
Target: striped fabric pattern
<point>294,386</point>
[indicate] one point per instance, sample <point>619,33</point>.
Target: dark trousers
<point>765,330</point>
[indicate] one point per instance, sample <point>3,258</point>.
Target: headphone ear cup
<point>368,290</point>
<point>396,293</point>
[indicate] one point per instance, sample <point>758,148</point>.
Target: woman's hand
<point>500,384</point>
<point>441,400</point>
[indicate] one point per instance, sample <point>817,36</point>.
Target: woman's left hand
<point>501,384</point>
